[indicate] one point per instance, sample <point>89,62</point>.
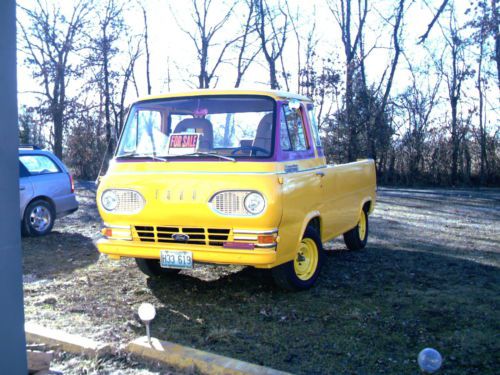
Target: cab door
<point>302,185</point>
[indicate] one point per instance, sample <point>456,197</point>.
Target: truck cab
<point>230,177</point>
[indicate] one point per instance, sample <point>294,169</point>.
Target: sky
<point>172,50</point>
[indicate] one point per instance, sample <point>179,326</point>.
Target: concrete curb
<point>183,357</point>
<point>64,341</point>
<point>170,354</point>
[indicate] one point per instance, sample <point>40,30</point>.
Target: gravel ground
<point>428,277</point>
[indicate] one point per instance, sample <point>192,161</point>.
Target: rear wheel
<point>38,218</point>
<point>152,268</point>
<point>302,272</point>
<point>357,237</point>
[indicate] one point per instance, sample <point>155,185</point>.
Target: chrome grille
<point>197,235</point>
<point>230,203</point>
<point>129,201</point>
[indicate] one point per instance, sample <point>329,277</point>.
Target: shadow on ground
<point>57,254</point>
<point>371,312</point>
<point>429,277</point>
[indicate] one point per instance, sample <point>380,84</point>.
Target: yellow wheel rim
<point>362,226</point>
<point>306,262</point>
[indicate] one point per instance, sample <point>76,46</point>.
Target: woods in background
<point>437,126</point>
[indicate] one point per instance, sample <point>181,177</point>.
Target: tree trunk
<point>455,142</point>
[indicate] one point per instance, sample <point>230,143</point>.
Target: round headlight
<point>255,203</point>
<point>109,200</point>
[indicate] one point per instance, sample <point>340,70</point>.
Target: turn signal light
<point>117,233</point>
<point>266,239</point>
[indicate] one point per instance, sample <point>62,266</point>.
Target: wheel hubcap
<point>362,226</point>
<point>40,218</point>
<point>306,262</point>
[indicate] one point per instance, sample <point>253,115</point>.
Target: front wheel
<point>302,272</point>
<point>356,238</point>
<point>152,268</point>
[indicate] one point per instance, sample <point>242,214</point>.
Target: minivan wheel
<point>152,268</point>
<point>38,219</point>
<point>302,272</point>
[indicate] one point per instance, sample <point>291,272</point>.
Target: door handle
<point>22,188</point>
<point>320,174</point>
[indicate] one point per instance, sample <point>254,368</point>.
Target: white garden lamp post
<point>147,313</point>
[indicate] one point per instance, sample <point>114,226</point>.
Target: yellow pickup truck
<point>230,177</point>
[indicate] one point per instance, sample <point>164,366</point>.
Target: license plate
<point>176,259</point>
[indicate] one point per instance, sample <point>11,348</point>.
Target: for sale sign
<point>183,143</point>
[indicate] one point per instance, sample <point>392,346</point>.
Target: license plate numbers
<point>176,259</point>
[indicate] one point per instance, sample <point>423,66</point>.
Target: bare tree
<point>203,39</point>
<point>440,10</point>
<point>273,36</point>
<point>377,118</point>
<point>418,103</point>
<point>146,46</point>
<point>496,34</point>
<point>50,42</point>
<point>111,27</point>
<point>119,109</point>
<point>458,72</point>
<point>342,12</point>
<point>244,62</point>
<point>293,21</point>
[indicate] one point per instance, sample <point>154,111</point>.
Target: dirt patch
<point>429,277</point>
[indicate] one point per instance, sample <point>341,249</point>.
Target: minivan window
<point>38,164</point>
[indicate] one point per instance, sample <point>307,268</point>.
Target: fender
<point>365,201</point>
<point>311,215</point>
<point>287,254</point>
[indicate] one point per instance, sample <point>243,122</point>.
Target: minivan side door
<point>25,188</point>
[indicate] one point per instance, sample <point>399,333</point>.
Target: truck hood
<point>179,193</point>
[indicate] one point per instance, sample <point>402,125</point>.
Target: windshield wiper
<point>136,155</point>
<point>201,153</point>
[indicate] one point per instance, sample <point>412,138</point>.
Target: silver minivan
<point>46,191</point>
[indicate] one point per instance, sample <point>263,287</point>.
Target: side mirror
<point>294,104</point>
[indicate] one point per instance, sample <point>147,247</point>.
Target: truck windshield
<point>216,127</point>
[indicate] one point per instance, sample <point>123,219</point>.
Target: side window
<point>292,122</point>
<point>23,172</point>
<point>314,126</point>
<point>285,143</point>
<point>38,164</point>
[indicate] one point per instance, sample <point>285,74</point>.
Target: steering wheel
<point>251,148</point>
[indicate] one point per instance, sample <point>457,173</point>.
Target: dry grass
<point>429,277</point>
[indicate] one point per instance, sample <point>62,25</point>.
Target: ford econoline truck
<point>230,177</point>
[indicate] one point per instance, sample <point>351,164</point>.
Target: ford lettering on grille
<point>180,237</point>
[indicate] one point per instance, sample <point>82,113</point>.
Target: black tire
<point>152,268</point>
<point>357,237</point>
<point>289,276</point>
<point>39,217</point>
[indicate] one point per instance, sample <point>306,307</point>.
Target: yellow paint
<point>362,225</point>
<point>307,258</point>
<point>177,195</point>
<point>185,358</point>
